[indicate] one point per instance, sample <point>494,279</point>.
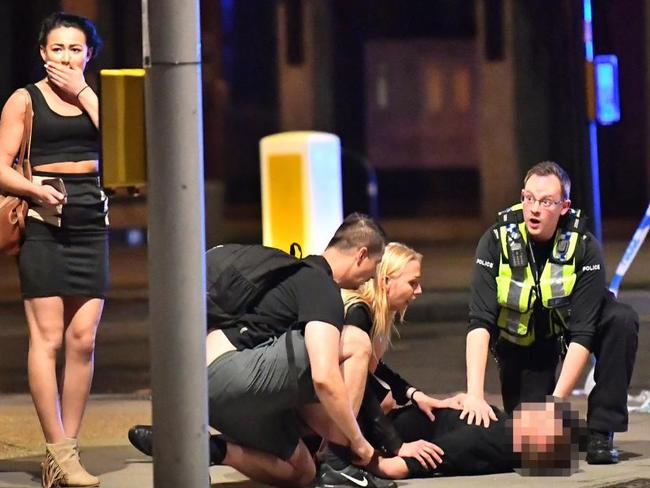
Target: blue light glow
<point>593,134</point>
<point>595,180</point>
<point>588,37</point>
<point>587,10</point>
<point>608,108</point>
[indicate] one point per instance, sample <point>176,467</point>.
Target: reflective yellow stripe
<point>515,295</point>
<point>503,240</point>
<point>557,280</point>
<point>514,327</point>
<point>516,292</point>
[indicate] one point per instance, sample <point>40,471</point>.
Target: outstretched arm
<point>572,367</point>
<point>322,342</point>
<point>483,310</point>
<point>380,430</point>
<point>588,293</point>
<point>475,408</point>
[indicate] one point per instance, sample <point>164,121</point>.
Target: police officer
<point>538,293</point>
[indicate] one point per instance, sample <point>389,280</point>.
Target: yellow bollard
<point>124,157</point>
<point>302,197</point>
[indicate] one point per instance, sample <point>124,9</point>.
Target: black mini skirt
<point>65,248</point>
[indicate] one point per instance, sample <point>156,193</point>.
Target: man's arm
<point>322,342</point>
<point>483,313</point>
<point>574,362</point>
<point>475,408</point>
<point>586,300</point>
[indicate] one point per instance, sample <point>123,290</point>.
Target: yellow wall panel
<point>124,157</point>
<point>301,189</point>
<point>285,198</point>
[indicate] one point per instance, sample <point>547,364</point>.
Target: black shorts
<point>66,253</point>
<point>254,394</point>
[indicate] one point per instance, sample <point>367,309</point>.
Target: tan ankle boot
<point>61,467</point>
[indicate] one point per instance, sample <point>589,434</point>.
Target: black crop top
<point>60,138</point>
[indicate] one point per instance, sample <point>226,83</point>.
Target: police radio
<point>517,256</point>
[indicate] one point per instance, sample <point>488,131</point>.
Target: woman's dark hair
<point>63,19</point>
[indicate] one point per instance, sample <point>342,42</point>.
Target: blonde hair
<point>375,294</point>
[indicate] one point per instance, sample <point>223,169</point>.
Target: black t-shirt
<point>469,449</point>
<point>586,297</point>
<point>308,294</point>
<point>359,315</point>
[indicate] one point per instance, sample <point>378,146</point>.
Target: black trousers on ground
<point>528,374</point>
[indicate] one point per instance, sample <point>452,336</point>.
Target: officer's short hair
<point>359,230</point>
<point>546,168</point>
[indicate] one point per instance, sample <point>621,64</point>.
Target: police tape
<point>631,252</point>
<point>639,403</point>
<point>623,265</point>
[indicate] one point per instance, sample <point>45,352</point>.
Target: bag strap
<point>22,164</point>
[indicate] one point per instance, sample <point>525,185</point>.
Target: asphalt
<point>106,453</point>
<point>429,353</point>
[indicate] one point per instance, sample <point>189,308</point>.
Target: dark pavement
<point>430,353</point>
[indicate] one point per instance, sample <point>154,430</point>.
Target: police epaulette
<point>575,221</point>
<point>510,216</point>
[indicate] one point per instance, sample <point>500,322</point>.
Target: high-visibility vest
<point>519,288</point>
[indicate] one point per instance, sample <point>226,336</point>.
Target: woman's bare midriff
<point>73,167</point>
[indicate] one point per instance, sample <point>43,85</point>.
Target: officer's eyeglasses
<point>528,198</point>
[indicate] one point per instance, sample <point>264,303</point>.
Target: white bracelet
<point>410,397</point>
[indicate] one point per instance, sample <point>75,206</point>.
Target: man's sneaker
<point>600,449</point>
<point>218,447</point>
<point>349,477</point>
<point>141,436</point>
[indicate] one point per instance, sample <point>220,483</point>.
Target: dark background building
<point>449,101</point>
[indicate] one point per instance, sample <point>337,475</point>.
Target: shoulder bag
<point>13,208</point>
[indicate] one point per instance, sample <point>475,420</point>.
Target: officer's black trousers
<point>528,373</point>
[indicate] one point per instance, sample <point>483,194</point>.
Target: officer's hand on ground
<point>362,451</point>
<point>427,453</point>
<point>477,411</point>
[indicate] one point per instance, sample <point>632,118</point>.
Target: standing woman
<point>63,261</point>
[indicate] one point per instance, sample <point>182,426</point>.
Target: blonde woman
<point>374,307</point>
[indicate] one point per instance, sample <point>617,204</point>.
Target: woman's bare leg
<point>45,322</point>
<point>82,316</point>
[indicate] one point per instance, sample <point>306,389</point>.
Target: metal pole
<point>176,244</point>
